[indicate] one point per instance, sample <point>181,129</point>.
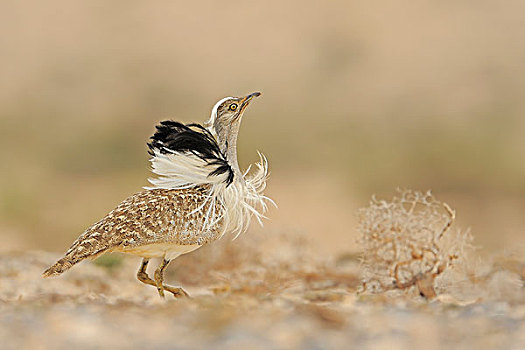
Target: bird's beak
<point>246,100</point>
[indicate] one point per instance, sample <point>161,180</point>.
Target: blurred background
<point>359,98</point>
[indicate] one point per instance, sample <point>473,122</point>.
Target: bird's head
<point>226,117</point>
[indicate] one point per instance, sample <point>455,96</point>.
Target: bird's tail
<point>82,248</point>
<point>60,266</point>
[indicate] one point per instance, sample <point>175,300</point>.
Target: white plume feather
<point>182,170</point>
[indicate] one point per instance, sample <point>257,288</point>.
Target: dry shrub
<point>407,242</point>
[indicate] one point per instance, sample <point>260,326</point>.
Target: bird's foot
<point>177,292</point>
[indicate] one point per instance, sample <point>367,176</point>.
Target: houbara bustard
<point>199,195</point>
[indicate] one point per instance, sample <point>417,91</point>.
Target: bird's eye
<point>233,106</point>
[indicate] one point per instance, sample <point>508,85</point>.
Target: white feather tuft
<point>178,171</point>
<point>244,199</point>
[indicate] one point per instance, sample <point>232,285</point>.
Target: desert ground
<point>247,294</point>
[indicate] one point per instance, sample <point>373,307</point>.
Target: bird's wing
<point>184,156</point>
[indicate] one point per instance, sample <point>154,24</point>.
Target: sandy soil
<point>243,298</point>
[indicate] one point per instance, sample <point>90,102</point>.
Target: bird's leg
<point>159,278</point>
<point>142,275</point>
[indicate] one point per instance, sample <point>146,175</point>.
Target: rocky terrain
<point>245,296</point>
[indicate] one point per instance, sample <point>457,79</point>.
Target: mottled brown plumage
<point>146,218</point>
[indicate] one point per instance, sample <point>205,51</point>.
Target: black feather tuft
<point>175,137</point>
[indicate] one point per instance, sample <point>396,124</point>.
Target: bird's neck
<point>228,145</point>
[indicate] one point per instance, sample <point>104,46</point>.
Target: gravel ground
<point>246,302</point>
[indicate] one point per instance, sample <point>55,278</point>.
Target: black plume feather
<point>175,137</point>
